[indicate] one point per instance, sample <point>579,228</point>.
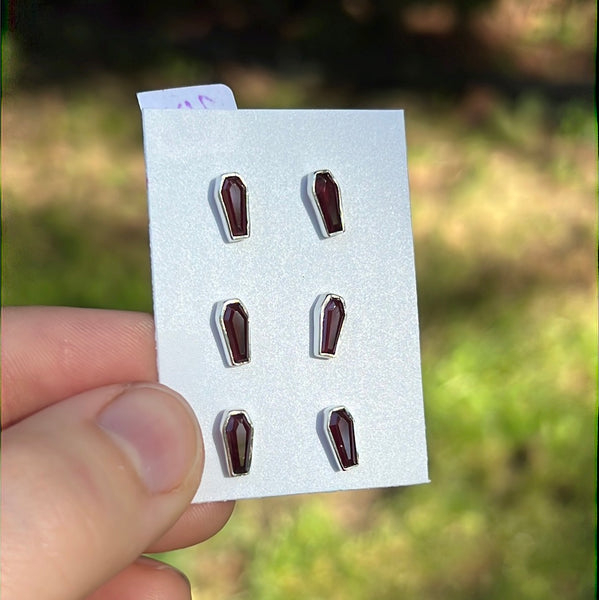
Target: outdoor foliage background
<point>503,167</point>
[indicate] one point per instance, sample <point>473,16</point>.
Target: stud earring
<point>339,428</point>
<point>231,198</point>
<point>233,325</point>
<point>325,195</point>
<point>238,437</point>
<point>328,319</point>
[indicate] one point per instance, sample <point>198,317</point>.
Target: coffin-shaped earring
<point>328,319</point>
<point>339,428</point>
<point>238,436</point>
<point>325,195</point>
<point>231,197</point>
<point>233,326</point>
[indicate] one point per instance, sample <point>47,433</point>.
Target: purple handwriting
<point>202,100</point>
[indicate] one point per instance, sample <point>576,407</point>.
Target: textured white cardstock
<point>278,273</point>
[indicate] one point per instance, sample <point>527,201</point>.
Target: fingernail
<point>146,561</point>
<point>157,431</point>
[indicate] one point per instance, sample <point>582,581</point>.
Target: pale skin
<point>97,468</point>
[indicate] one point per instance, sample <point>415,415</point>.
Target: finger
<point>52,353</point>
<point>145,579</point>
<point>91,482</point>
<point>198,523</point>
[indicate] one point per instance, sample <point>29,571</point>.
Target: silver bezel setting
<point>221,307</point>
<point>318,322</point>
<point>311,184</point>
<point>327,418</point>
<point>223,425</point>
<point>220,203</point>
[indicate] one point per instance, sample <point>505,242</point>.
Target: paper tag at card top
<point>216,96</point>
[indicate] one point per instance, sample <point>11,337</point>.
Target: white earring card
<point>279,272</point>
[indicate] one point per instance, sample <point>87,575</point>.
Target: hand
<point>95,469</point>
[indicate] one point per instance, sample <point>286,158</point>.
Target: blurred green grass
<point>504,215</point>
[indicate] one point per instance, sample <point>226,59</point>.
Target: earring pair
<point>231,197</point>
<point>238,438</point>
<point>233,325</point>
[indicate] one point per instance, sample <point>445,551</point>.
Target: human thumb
<point>89,483</point>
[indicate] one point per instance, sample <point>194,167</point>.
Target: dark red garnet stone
<point>341,426</point>
<point>236,324</point>
<point>238,437</point>
<point>327,195</point>
<point>234,195</point>
<point>333,315</point>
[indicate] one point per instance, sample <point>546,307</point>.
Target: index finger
<point>53,353</point>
